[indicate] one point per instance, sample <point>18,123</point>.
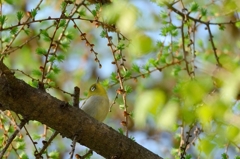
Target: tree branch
<point>69,121</point>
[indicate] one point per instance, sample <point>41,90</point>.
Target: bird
<point>97,103</point>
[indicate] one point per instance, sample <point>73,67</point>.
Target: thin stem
<point>12,137</point>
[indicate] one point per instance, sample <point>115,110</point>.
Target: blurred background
<point>157,78</point>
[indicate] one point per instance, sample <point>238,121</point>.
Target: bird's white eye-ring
<point>93,88</point>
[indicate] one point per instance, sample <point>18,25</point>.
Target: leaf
<point>224,156</point>
<point>103,34</point>
<point>237,24</point>
<point>222,27</point>
<point>62,23</point>
<point>56,69</point>
<point>203,12</point>
<point>14,30</point>
<point>19,15</point>
<point>69,36</point>
<point>37,73</point>
<point>206,145</point>
<point>148,102</point>
<point>60,58</point>
<point>120,130</point>
<point>20,145</point>
<point>194,7</point>
<point>141,44</point>
<point>3,19</point>
<point>54,154</point>
<point>33,13</point>
<point>9,1</point>
<point>23,155</point>
<point>167,117</point>
<point>136,68</point>
<point>128,89</point>
<point>41,51</point>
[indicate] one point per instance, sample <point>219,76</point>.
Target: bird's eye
<point>93,88</point>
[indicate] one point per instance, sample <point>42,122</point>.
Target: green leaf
<point>132,138</point>
<point>224,156</point>
<point>113,77</point>
<point>19,15</point>
<point>94,12</point>
<point>194,7</point>
<point>3,19</point>
<point>34,83</point>
<point>188,156</point>
<point>23,155</point>
<point>146,67</point>
<point>45,35</point>
<point>176,70</point>
<point>26,31</point>
<point>232,132</point>
<point>164,15</point>
<point>121,46</point>
<point>136,68</point>
<point>148,102</point>
<point>52,84</point>
<point>14,30</point>
<point>52,58</point>
<point>20,145</point>
<point>121,106</point>
<point>105,83</point>
<point>65,44</point>
<point>126,73</point>
<point>206,146</point>
<point>82,12</point>
<point>41,51</point>
<point>141,44</point>
<point>36,136</point>
<point>56,69</point>
<point>54,154</point>
<point>63,5</point>
<point>60,58</point>
<point>9,1</point>
<point>103,34</point>
<point>120,130</point>
<point>33,12</point>
<point>128,89</point>
<point>50,76</point>
<point>153,62</point>
<point>37,73</point>
<point>69,36</point>
<point>203,12</point>
<point>118,56</point>
<point>222,27</point>
<point>6,39</point>
<point>62,23</point>
<point>237,24</point>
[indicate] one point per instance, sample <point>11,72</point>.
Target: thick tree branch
<point>69,121</point>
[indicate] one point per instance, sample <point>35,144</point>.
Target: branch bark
<point>69,121</point>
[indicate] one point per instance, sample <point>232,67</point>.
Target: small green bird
<point>97,102</point>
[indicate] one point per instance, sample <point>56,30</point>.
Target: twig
<point>76,97</point>
<point>213,45</point>
<point>73,146</point>
<point>185,53</point>
<point>18,32</point>
<point>45,145</point>
<point>11,138</point>
<point>120,79</point>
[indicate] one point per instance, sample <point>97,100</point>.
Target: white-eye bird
<point>97,102</point>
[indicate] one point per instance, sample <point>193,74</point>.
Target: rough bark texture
<point>34,104</point>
